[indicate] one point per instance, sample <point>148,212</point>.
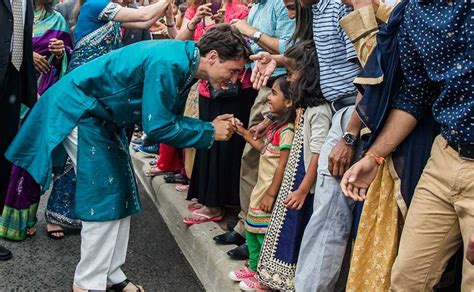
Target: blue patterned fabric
<point>280,249</point>
<point>437,59</point>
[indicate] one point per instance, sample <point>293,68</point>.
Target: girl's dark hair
<point>48,6</point>
<point>227,41</point>
<point>303,58</point>
<point>303,28</point>
<point>285,88</point>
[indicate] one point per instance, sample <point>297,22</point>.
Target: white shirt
<point>23,8</point>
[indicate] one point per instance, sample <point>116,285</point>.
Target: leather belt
<point>343,102</point>
<point>465,151</point>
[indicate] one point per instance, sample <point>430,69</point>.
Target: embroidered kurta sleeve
<point>162,110</point>
<point>361,26</point>
<point>105,9</point>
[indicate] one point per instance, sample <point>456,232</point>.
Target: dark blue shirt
<point>437,57</point>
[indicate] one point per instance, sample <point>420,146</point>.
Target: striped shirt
<point>271,18</point>
<point>336,53</point>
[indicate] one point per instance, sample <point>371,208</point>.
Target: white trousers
<point>103,244</point>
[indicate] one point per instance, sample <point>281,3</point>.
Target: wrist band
<point>171,25</point>
<point>378,159</point>
<point>187,26</point>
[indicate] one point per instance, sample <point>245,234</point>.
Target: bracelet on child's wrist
<point>171,25</point>
<point>190,29</point>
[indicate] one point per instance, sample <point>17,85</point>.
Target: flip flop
<point>56,237</point>
<point>155,171</point>
<point>201,218</point>
<point>182,188</point>
<point>194,205</point>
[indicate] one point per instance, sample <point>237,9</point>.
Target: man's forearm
<point>398,126</point>
<point>355,124</point>
<point>269,44</point>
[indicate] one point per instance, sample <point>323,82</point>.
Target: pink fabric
<point>233,10</point>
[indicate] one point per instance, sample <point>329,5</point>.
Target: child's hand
<point>239,127</point>
<point>266,204</point>
<point>295,200</point>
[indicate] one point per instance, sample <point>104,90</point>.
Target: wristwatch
<point>256,36</point>
<point>350,139</point>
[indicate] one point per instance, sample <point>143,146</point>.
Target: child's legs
<point>254,243</point>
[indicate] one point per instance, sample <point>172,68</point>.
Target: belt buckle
<point>460,153</point>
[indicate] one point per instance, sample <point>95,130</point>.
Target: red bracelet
<point>377,158</point>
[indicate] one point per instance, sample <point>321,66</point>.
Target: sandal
<point>154,171</point>
<point>152,162</point>
<point>30,232</point>
<point>119,287</point>
<point>194,205</point>
<point>56,237</point>
<point>200,218</point>
<point>182,188</point>
<point>176,179</point>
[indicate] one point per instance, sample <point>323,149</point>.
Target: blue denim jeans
<point>326,236</point>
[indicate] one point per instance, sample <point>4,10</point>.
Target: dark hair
<point>48,6</point>
<point>227,41</point>
<point>303,28</point>
<point>285,88</point>
<point>303,58</point>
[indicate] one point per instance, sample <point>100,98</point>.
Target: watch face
<point>349,139</point>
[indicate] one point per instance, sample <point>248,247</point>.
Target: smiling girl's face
<point>277,102</point>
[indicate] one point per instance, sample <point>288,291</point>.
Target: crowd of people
<point>342,130</point>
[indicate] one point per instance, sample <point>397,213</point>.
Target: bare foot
<point>58,231</point>
<point>133,288</point>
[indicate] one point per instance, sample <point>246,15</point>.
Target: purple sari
<point>23,195</point>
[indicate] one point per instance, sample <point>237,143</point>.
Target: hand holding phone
<point>215,6</point>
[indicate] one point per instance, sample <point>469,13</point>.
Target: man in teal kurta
<point>87,111</point>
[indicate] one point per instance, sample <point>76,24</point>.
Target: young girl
<point>293,207</point>
<point>275,148</point>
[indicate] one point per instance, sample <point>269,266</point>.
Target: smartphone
<point>215,6</point>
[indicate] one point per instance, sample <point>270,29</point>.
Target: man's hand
<point>40,62</point>
<point>340,158</point>
<point>223,127</point>
<point>295,200</point>
<point>266,204</point>
<point>264,68</point>
<point>470,250</point>
<point>358,178</point>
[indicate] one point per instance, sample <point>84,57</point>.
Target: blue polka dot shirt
<point>436,41</point>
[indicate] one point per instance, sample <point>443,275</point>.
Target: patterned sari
<point>23,195</point>
<point>277,264</point>
<point>105,38</point>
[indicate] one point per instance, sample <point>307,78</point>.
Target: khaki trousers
<point>250,159</point>
<point>439,220</point>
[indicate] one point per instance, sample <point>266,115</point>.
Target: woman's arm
<point>143,17</point>
<point>188,27</point>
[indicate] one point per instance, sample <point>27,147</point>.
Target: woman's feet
<point>205,214</point>
<point>54,231</point>
<point>30,232</point>
<point>194,205</point>
<point>125,286</point>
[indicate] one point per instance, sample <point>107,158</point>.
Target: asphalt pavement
<point>154,260</point>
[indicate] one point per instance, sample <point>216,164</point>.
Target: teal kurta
<point>147,82</point>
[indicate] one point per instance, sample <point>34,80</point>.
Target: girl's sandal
<point>196,218</point>
<point>194,205</point>
<point>30,232</point>
<point>154,171</point>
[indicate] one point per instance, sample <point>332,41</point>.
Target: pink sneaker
<point>242,274</point>
<point>249,284</point>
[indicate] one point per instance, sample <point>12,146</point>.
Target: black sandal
<point>52,236</point>
<point>177,179</point>
<point>120,286</point>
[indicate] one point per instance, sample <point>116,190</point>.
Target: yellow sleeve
<point>286,137</point>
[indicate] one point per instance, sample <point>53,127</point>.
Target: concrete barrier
<point>208,260</point>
